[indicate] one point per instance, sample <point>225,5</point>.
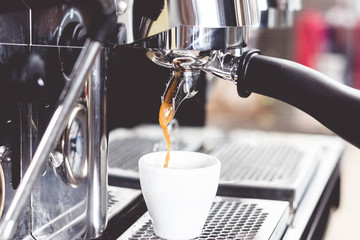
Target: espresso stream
<point>167,110</point>
<point>166,113</point>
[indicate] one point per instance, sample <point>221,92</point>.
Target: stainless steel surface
<point>36,214</point>
<point>71,222</point>
<point>57,124</point>
<point>204,27</point>
<point>119,198</point>
<point>58,210</point>
<point>305,211</point>
<point>188,79</point>
<point>53,26</point>
<point>205,32</point>
<point>191,26</point>
<point>98,148</point>
<point>197,38</point>
<point>224,64</point>
<point>165,58</point>
<point>223,13</point>
<point>74,160</point>
<point>191,29</point>
<point>255,164</point>
<point>2,190</point>
<point>200,13</point>
<point>285,163</point>
<point>230,218</point>
<point>123,157</point>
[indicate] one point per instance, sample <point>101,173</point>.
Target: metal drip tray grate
<point>129,150</point>
<point>255,164</point>
<point>230,218</point>
<point>271,165</point>
<point>269,162</point>
<point>127,146</point>
<point>119,198</point>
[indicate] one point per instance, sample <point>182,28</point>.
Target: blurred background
<point>325,37</point>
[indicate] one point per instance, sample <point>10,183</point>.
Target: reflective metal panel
<point>183,20</point>
<point>197,38</point>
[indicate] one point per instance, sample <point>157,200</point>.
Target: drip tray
<point>119,198</point>
<point>230,218</point>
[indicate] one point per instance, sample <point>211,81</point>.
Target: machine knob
<point>72,33</point>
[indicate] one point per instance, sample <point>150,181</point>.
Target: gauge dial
<point>74,148</point>
<point>76,140</point>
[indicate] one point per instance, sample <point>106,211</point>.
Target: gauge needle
<point>73,140</point>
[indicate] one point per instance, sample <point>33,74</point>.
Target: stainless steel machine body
<point>55,179</point>
<point>54,143</point>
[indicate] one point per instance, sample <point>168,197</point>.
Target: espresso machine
<point>51,185</point>
<point>54,136</point>
<point>220,49</point>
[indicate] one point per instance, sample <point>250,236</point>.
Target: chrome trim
<point>97,150</point>
<point>71,176</point>
<point>70,96</point>
<point>202,15</point>
<point>224,64</point>
<point>212,13</point>
<point>2,190</point>
<point>197,38</point>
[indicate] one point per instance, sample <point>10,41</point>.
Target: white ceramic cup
<point>179,198</point>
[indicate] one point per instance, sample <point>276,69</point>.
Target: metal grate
<point>125,153</point>
<point>229,219</point>
<point>255,164</point>
<point>258,162</point>
<point>233,220</point>
<point>119,198</point>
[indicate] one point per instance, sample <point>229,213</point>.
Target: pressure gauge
<point>74,148</point>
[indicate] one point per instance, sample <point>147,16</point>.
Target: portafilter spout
<point>186,34</point>
<point>183,82</point>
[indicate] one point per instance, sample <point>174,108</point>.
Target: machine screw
<point>56,159</point>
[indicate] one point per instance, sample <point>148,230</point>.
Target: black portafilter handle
<point>333,104</point>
